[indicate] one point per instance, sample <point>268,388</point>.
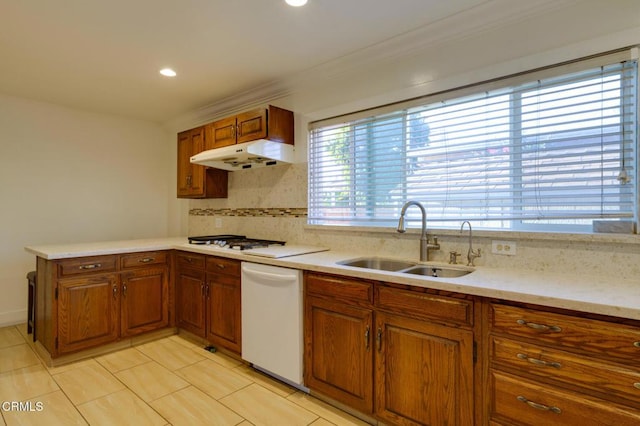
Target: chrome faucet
<point>425,245</point>
<point>471,254</point>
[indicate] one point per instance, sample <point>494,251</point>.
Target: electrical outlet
<point>218,222</point>
<point>508,248</point>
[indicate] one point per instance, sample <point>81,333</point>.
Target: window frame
<point>496,84</point>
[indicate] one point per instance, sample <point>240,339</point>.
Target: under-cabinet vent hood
<point>248,155</point>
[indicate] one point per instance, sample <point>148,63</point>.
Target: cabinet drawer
<point>600,337</point>
<point>340,287</point>
<point>587,372</point>
<point>424,305</point>
<point>136,260</point>
<point>220,265</point>
<point>190,260</point>
<point>518,401</point>
<point>87,265</point>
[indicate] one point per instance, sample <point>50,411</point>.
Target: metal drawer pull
<point>537,406</point>
<point>92,266</point>
<point>636,344</point>
<point>539,327</point>
<point>379,339</point>
<point>539,362</point>
<point>147,260</point>
<point>366,338</point>
<point>636,385</point>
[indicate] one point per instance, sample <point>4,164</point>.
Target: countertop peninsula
<point>597,294</point>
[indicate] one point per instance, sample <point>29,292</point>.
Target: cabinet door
<point>251,125</point>
<point>338,352</point>
<point>190,309</point>
<point>190,176</point>
<point>221,133</point>
<point>144,301</point>
<point>223,311</point>
<point>88,312</point>
<point>424,372</point>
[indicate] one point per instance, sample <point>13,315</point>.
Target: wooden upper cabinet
<point>221,133</point>
<point>271,123</point>
<point>195,181</point>
<point>251,125</point>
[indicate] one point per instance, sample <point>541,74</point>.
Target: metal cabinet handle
<point>636,344</point>
<point>220,265</point>
<point>115,291</point>
<point>539,327</point>
<point>636,385</point>
<point>538,406</point>
<point>379,339</point>
<point>206,290</point>
<point>92,266</point>
<point>124,289</point>
<point>366,338</point>
<point>147,260</point>
<point>233,131</point>
<point>539,362</point>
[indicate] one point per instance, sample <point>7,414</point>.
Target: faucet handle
<point>453,257</point>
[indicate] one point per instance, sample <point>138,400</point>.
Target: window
<point>549,150</point>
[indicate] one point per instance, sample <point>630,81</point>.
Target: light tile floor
<point>167,382</point>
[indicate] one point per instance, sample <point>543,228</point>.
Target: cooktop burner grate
<point>237,242</point>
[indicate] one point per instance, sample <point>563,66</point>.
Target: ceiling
<point>104,56</point>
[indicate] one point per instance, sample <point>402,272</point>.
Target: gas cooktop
<point>237,242</point>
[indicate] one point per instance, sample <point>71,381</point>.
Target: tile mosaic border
<point>252,212</point>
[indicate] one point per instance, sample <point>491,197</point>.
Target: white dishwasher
<point>272,320</point>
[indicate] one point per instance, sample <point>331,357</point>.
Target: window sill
<point>516,235</point>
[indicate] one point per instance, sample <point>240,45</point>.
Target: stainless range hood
<point>248,155</point>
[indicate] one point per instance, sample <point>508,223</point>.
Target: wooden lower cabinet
<point>88,312</point>
<point>401,369</point>
<point>223,311</point>
<point>86,302</point>
<point>190,305</point>
<point>339,361</point>
<point>548,366</point>
<point>424,372</point>
<point>208,298</point>
<point>518,401</point>
<point>144,301</point>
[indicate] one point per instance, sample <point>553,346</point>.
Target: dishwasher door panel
<point>272,320</point>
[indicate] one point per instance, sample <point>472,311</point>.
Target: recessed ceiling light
<point>168,72</point>
<point>296,3</point>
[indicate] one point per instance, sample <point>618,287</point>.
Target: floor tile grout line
<point>235,369</point>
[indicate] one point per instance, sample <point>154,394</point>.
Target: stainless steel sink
<point>378,263</point>
<point>395,265</point>
<point>437,271</point>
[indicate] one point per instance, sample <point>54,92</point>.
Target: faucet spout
<point>471,254</point>
<point>424,242</point>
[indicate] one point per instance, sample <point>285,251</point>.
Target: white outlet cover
<point>506,248</point>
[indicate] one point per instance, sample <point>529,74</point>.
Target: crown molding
<point>484,17</point>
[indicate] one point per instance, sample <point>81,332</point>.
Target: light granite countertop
<point>598,294</point>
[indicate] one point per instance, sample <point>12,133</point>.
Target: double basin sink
<point>394,265</point>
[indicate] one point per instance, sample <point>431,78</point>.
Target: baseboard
<point>13,317</point>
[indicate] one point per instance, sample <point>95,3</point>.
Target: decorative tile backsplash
<point>251,212</point>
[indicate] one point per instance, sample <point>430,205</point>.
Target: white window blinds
<point>550,151</point>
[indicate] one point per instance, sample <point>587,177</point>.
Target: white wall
<point>73,176</point>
